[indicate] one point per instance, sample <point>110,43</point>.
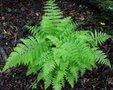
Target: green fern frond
<point>33,29</point>
<point>22,53</point>
<point>101,58</point>
<point>99,38</point>
<point>48,80</point>
<point>72,75</point>
<point>57,81</point>
<point>52,22</point>
<point>26,52</point>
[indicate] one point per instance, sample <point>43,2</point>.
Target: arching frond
<point>33,29</point>
<point>26,52</point>
<point>99,38</point>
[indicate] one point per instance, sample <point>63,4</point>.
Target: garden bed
<point>17,13</point>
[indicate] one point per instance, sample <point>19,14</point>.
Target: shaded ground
<point>17,13</point>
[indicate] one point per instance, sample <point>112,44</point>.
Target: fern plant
<point>56,52</point>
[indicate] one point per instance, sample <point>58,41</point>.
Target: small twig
<point>4,55</point>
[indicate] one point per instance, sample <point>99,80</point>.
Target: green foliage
<point>56,52</point>
<point>106,5</point>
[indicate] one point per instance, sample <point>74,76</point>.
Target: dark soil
<point>14,14</point>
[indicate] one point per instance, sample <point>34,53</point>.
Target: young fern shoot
<point>56,52</point>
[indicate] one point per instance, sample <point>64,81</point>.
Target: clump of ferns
<point>56,52</point>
